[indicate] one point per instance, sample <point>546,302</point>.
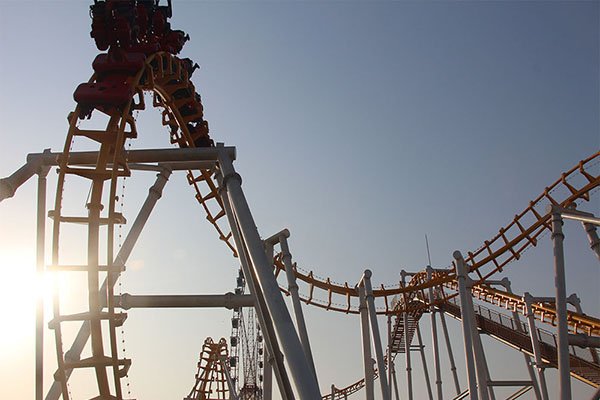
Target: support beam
<point>275,359</point>
<point>302,376</point>
<point>40,266</point>
<point>461,272</point>
<point>505,282</point>
<point>450,355</point>
<point>424,363</point>
<point>561,306</point>
<point>296,304</point>
<point>208,155</point>
<point>366,344</point>
<point>434,338</point>
<point>385,388</point>
<point>229,300</point>
<point>535,345</point>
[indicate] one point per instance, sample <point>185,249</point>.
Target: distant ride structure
<point>141,56</point>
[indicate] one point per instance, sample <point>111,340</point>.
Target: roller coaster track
<point>211,378</point>
<point>167,77</point>
<point>584,363</point>
<point>524,231</point>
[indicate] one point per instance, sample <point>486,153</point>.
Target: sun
<point>18,294</point>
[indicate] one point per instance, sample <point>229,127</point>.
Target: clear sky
<point>360,126</point>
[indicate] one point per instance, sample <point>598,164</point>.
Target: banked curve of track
<point>506,246</point>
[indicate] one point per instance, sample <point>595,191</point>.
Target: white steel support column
<point>464,293</point>
<point>424,363</point>
<point>390,358</point>
<point>267,374</point>
<point>302,376</point>
<point>406,342</point>
<point>485,391</point>
<point>450,355</point>
<point>40,267</point>
<point>268,359</point>
<point>366,344</point>
<point>434,338</point>
<point>535,344</point>
<point>297,306</point>
<point>275,360</point>
<point>519,328</point>
<point>154,194</point>
<point>385,388</point>
<point>396,394</point>
<point>561,306</point>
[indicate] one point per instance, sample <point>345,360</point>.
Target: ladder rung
<point>85,268</point>
<point>93,362</point>
<point>118,219</point>
<point>98,136</point>
<point>89,173</point>
<point>119,318</point>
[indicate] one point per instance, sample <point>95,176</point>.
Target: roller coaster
<point>140,55</point>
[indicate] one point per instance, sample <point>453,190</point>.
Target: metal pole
<point>83,335</point>
<point>434,336</point>
<point>268,358</point>
<point>385,388</point>
<point>229,300</point>
<point>40,266</point>
<point>450,355</point>
<point>366,344</point>
<point>535,344</point>
<point>480,364</point>
<point>395,382</point>
<point>406,340</point>
<point>424,363</point>
<point>267,374</point>
<point>230,385</point>
<point>302,375</point>
<point>561,306</point>
<point>293,289</point>
<point>519,328</point>
<point>464,293</point>
<point>389,351</point>
<point>276,357</point>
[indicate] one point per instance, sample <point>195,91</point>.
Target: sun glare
<point>20,289</point>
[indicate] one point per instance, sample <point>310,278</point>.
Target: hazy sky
<point>360,126</point>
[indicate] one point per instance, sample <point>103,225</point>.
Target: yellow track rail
<point>164,75</point>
